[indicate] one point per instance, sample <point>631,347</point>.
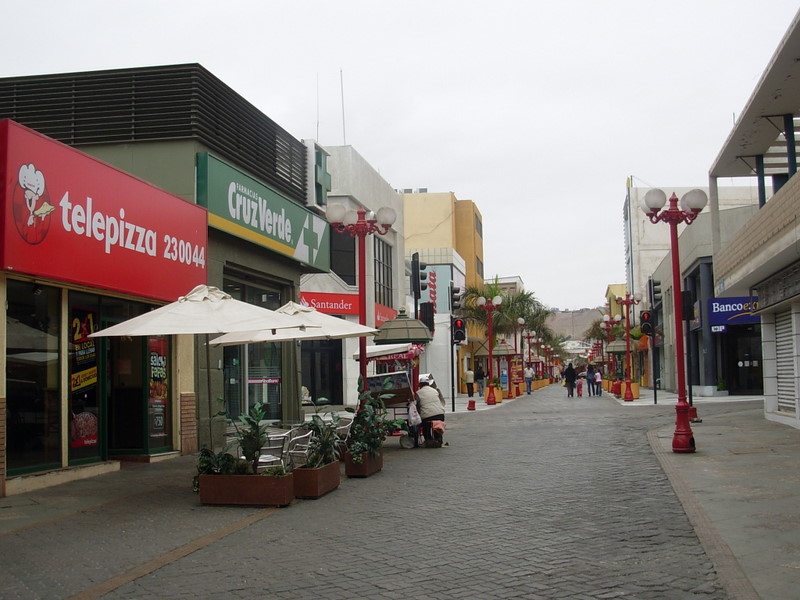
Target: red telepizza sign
<point>70,217</point>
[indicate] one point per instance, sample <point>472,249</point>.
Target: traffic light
<point>646,325</point>
<point>459,329</point>
<point>426,310</point>
<point>653,291</point>
<point>418,276</point>
<point>456,299</point>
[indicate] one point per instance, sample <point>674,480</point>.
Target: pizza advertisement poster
<point>84,400</point>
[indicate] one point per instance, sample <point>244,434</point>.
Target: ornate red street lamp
<point>627,302</point>
<point>359,225</point>
<point>529,335</point>
<point>518,326</point>
<point>540,365</point>
<point>690,206</point>
<point>607,326</point>
<point>548,356</point>
<point>490,307</point>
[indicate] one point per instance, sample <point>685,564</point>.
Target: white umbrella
<point>203,310</point>
<point>319,326</point>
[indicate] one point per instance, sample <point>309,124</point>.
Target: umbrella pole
<point>208,388</point>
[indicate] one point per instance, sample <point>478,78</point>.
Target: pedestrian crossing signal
<point>646,318</point>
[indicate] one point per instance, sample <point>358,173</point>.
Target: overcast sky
<point>536,110</point>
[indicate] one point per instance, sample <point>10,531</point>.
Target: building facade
<point>760,263</point>
<point>447,234</point>
<point>186,134</point>
<point>328,371</point>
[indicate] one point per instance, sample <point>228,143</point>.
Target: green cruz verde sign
<point>248,209</point>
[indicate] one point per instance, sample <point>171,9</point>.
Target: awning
<point>390,352</point>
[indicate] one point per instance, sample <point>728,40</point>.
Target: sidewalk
<point>739,488</point>
<point>739,491</point>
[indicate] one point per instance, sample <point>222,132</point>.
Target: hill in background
<point>571,324</point>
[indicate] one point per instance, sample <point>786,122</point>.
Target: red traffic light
<point>459,330</point>
<point>646,318</point>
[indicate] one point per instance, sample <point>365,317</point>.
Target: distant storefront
<point>85,246</point>
<point>737,326</point>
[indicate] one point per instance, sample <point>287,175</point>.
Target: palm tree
<point>504,320</point>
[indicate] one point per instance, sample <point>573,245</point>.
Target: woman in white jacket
<point>431,408</point>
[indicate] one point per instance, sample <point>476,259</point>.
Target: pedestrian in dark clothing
<point>590,380</point>
<point>570,376</point>
<point>480,378</point>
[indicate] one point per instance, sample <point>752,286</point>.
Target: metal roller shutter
<point>787,390</point>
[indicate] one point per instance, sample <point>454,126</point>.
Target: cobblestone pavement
<point>541,498</point>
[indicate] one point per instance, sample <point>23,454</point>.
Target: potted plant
<point>320,474</point>
<point>224,479</point>
<point>363,447</point>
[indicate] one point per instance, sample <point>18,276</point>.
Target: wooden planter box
<point>313,483</point>
<point>369,466</point>
<point>247,490</point>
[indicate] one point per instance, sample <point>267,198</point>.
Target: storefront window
<point>84,396</point>
<point>158,368</point>
<point>253,372</point>
<point>33,420</point>
<point>118,400</point>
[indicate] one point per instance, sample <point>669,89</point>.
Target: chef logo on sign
<point>31,205</point>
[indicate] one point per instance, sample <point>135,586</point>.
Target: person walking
<point>528,378</point>
<point>598,382</point>
<point>480,378</point>
<point>469,380</point>
<point>569,377</point>
<point>590,389</point>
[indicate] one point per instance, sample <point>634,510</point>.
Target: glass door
<point>158,413</point>
<point>125,396</point>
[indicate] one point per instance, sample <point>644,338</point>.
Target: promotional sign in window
<point>84,405</point>
<point>732,311</point>
<point>70,217</point>
<point>248,209</point>
<point>158,386</point>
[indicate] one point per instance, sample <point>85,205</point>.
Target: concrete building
<point>646,244</point>
<point>447,233</point>
<point>761,262</point>
<point>328,371</point>
<point>172,137</point>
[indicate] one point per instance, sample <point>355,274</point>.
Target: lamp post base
<point>682,439</point>
<point>628,397</point>
<point>490,399</point>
